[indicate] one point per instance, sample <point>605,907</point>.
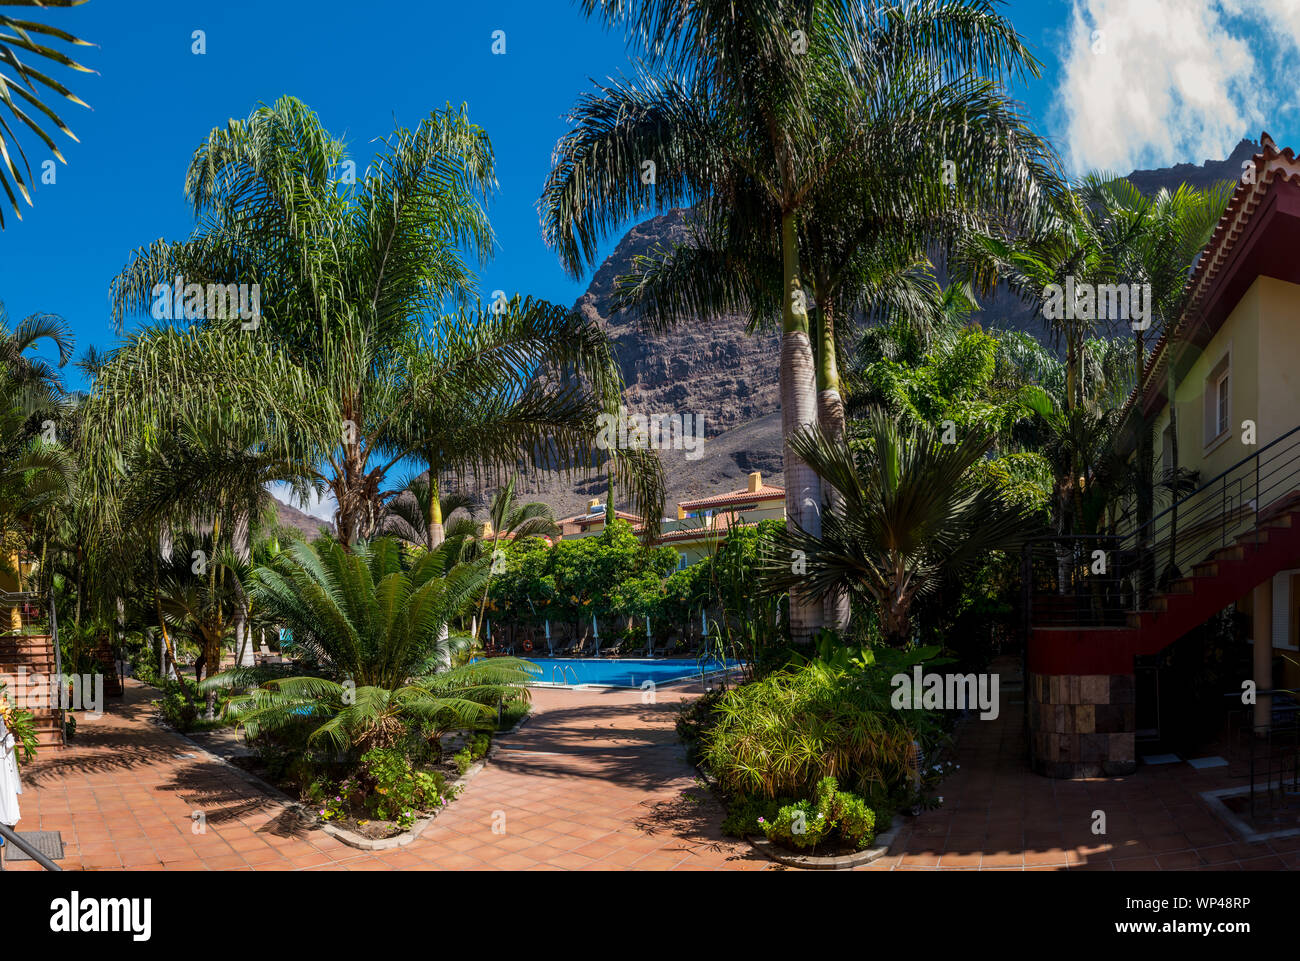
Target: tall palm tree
<point>910,513</point>
<point>18,39</point>
<point>756,107</point>
<point>352,283</point>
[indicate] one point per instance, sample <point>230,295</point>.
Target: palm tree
<point>757,108</point>
<point>200,591</point>
<point>511,521</point>
<point>416,519</point>
<point>18,38</point>
<point>1168,232</point>
<point>910,513</point>
<point>351,281</point>
<point>36,473</point>
<point>366,624</point>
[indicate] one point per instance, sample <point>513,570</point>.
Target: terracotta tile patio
<point>596,781</point>
<point>997,815</point>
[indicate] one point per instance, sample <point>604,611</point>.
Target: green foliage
<point>21,724</point>
<point>368,628</point>
<point>831,814</point>
<point>384,787</point>
<point>908,512</point>
<point>784,733</point>
<point>798,825</point>
<point>746,815</point>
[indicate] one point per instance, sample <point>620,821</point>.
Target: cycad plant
<point>908,511</point>
<point>366,627</point>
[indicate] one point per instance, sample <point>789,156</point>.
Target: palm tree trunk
<point>831,419</point>
<point>1145,482</point>
<point>239,536</point>
<point>434,529</point>
<point>798,382</point>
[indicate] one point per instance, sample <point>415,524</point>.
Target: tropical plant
<point>757,110</point>
<point>910,512</point>
<point>18,39</point>
<point>351,282</point>
<point>781,735</point>
<point>366,626</point>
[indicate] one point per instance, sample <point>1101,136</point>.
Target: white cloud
<point>322,508</point>
<point>1148,83</point>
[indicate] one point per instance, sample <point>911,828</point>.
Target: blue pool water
<point>622,672</point>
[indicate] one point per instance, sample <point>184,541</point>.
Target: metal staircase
<point>1093,602</point>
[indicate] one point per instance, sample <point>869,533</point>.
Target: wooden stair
<point>35,653</point>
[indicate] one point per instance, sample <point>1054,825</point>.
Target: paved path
<point>595,780</point>
<point>997,815</point>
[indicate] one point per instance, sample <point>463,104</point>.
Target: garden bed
<point>841,860</point>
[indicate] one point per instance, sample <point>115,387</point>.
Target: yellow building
<point>701,524</point>
<point>1222,387</point>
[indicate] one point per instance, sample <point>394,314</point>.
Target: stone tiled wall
<point>1082,725</point>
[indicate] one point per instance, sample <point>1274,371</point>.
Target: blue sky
<point>1155,94</point>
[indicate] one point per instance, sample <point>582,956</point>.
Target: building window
<point>1218,401</point>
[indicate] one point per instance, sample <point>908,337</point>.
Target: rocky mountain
<point>710,370</point>
<point>1207,174</point>
<point>718,371</point>
<point>301,521</point>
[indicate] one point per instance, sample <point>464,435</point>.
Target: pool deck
<point>595,780</point>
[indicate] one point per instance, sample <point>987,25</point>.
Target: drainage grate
<point>49,843</point>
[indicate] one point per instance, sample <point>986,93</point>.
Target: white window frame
<point>1221,413</point>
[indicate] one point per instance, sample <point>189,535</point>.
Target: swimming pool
<point>623,672</point>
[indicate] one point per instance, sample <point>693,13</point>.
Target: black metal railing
<point>12,837</point>
<point>1096,580</point>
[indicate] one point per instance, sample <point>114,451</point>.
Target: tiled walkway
<point>997,815</point>
<point>595,780</point>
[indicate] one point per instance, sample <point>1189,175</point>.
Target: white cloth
<point>10,784</point>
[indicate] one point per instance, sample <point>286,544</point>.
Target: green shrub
<point>744,814</point>
<point>857,822</point>
<point>830,815</point>
<point>463,759</point>
<point>179,711</point>
<point>797,825</point>
<point>385,787</point>
<point>784,733</point>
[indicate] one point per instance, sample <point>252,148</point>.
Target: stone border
<point>350,838</point>
<point>363,843</point>
<point>843,862</point>
<point>1224,813</point>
